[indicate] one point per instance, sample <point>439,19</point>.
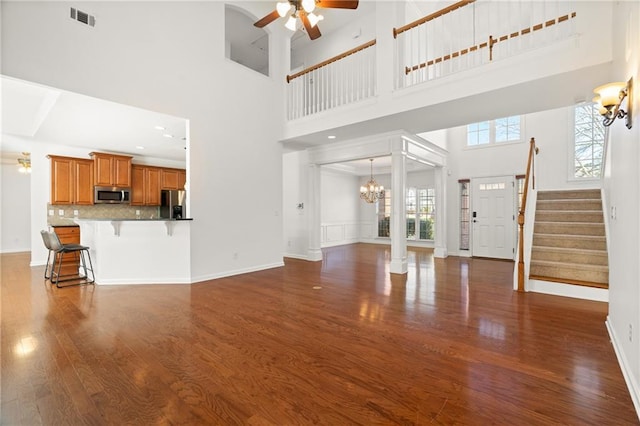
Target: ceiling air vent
<point>85,18</point>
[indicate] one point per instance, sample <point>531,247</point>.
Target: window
<point>420,214</point>
<point>464,215</point>
<point>588,142</point>
<point>478,133</point>
<point>520,186</point>
<point>384,214</point>
<point>427,202</point>
<point>420,209</point>
<point>507,129</point>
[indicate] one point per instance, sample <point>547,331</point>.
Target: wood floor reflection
<point>336,342</point>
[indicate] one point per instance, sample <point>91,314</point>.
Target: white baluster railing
<point>470,33</point>
<point>346,78</point>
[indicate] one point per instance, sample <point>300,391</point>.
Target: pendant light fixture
<point>25,163</point>
<point>371,191</point>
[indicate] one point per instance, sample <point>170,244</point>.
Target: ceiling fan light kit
<point>304,9</point>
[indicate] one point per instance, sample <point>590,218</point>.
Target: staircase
<point>569,243</point>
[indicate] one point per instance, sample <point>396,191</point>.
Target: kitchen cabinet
<point>70,261</point>
<point>71,180</point>
<point>145,185</point>
<point>173,178</point>
<point>112,169</point>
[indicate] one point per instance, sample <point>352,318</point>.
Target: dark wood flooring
<point>450,343</point>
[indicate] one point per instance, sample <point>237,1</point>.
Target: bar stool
<point>53,244</point>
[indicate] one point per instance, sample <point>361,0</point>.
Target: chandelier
<point>371,191</point>
<point>25,163</point>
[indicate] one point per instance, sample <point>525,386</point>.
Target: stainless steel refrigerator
<point>173,204</point>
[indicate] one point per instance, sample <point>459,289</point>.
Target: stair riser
<point>569,229</point>
<point>570,242</point>
<point>570,257</point>
<point>560,216</point>
<point>563,195</point>
<point>601,277</point>
<point>568,205</point>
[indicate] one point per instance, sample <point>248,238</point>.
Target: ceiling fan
<point>303,9</point>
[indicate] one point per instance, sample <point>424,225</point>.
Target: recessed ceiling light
<point>139,147</point>
<point>331,137</point>
<point>159,128</point>
<point>167,135</point>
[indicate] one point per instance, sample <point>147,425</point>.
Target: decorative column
<point>398,209</point>
<point>440,249</point>
<point>313,209</point>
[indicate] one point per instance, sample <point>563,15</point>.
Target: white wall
<point>340,205</point>
<point>15,198</point>
<point>294,178</point>
<point>622,191</point>
<point>169,57</point>
<point>361,30</point>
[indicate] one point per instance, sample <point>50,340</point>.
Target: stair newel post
<point>530,172</point>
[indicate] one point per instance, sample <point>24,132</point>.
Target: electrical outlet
<point>630,333</point>
<point>235,256</point>
<point>60,212</point>
<point>289,243</point>
<point>50,212</point>
<point>75,213</point>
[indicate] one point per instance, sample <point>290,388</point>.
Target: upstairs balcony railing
<point>471,33</point>
<point>462,36</point>
<point>343,79</point>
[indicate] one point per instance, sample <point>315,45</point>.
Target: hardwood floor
<point>450,343</point>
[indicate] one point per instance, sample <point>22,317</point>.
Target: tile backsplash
<point>99,211</point>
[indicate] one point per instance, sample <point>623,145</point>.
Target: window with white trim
<point>420,214</point>
<point>506,129</point>
<point>588,141</point>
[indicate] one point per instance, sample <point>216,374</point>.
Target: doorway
<point>493,217</point>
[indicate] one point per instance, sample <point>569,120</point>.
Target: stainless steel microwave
<point>111,195</point>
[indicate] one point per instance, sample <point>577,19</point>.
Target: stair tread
<point>593,237</point>
<point>570,265</point>
<point>569,249</point>
<point>568,281</point>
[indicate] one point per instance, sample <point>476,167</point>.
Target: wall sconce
<point>609,99</point>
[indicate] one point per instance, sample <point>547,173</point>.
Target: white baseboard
<point>163,281</point>
<point>15,250</point>
<point>296,256</point>
<point>208,277</point>
<point>569,290</point>
<point>627,371</point>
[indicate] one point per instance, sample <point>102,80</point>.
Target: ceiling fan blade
<point>337,4</point>
<point>267,19</point>
<point>314,32</point>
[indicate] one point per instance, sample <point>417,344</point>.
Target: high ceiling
<point>38,113</point>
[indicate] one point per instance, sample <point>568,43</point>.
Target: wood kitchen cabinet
<point>70,261</point>
<point>173,178</point>
<point>112,169</point>
<point>145,185</point>
<point>71,180</point>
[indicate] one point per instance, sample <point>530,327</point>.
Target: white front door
<point>493,217</point>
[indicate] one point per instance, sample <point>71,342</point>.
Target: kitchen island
<point>138,251</point>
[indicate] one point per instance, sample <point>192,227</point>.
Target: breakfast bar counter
<point>138,251</point>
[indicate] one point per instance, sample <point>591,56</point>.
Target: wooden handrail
<point>492,41</point>
<point>530,173</point>
<point>331,60</point>
<point>432,16</point>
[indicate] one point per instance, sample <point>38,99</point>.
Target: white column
<point>441,214</point>
<point>398,210</point>
<point>313,201</point>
